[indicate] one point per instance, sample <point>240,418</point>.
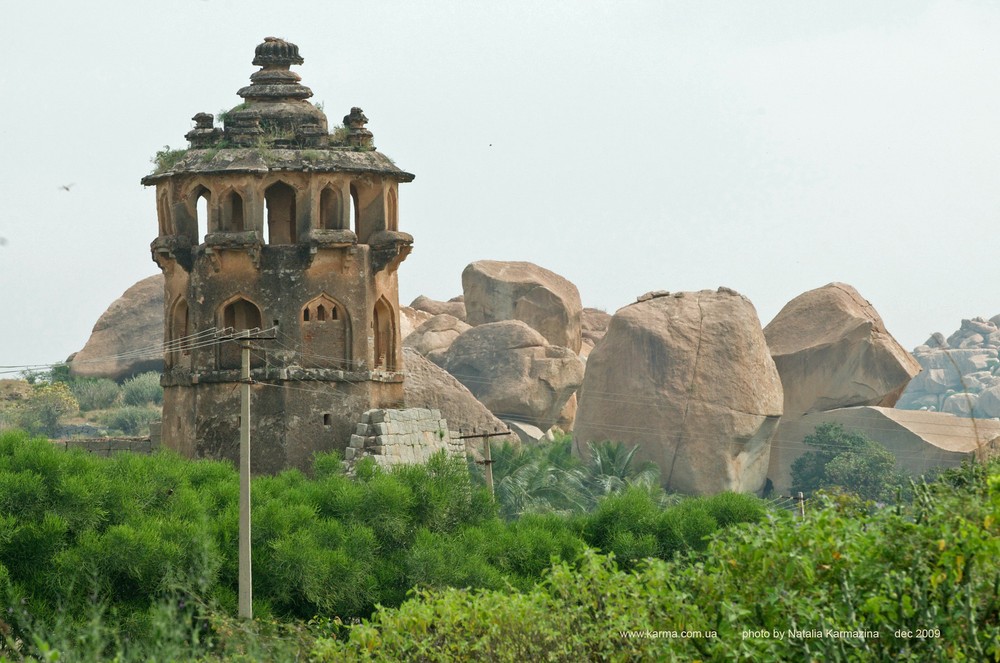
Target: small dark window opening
<point>333,312</point>
<point>329,210</point>
<point>305,315</point>
<point>236,212</point>
<point>320,312</point>
<point>327,420</point>
<point>280,202</point>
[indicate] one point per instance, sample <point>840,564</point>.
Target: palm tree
<point>611,470</point>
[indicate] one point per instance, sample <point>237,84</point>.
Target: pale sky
<point>771,147</point>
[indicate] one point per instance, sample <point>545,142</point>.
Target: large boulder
<point>688,378</point>
<point>429,386</point>
<point>410,319</point>
<point>435,336</point>
<point>128,337</point>
<point>453,306</point>
<point>593,325</point>
<point>515,372</point>
<point>546,302</point>
<point>833,351</point>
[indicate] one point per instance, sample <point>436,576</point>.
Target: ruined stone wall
<point>397,437</point>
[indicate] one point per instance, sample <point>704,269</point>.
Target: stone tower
<point>272,222</point>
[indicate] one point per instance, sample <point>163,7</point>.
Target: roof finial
<point>274,81</point>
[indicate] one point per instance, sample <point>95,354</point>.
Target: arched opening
<point>330,212</point>
<point>325,334</point>
<point>235,212</point>
<point>237,316</point>
<point>163,212</point>
<point>392,211</point>
<point>179,348</point>
<point>355,213</point>
<point>280,201</point>
<point>201,205</point>
<point>384,332</point>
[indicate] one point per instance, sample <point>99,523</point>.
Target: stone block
<point>381,428</point>
<point>350,453</point>
<point>357,441</point>
<point>362,430</point>
<point>378,416</point>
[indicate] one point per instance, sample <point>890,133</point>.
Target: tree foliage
<point>846,460</point>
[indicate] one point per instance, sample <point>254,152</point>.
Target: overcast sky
<point>770,147</point>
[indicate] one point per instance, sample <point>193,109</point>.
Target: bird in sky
<point>66,187</point>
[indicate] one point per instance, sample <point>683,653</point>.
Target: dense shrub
<point>131,419</point>
<point>96,393</point>
<point>911,583</point>
<point>43,410</point>
<point>132,533</point>
<point>142,389</point>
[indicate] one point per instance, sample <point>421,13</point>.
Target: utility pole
<point>245,567</point>
<point>246,575</point>
<point>487,460</point>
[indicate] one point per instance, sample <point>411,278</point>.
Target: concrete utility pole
<point>246,575</point>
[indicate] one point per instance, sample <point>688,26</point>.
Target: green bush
<point>95,394</point>
<point>851,583</point>
<point>45,408</point>
<point>131,419</point>
<point>142,389</point>
<point>125,533</point>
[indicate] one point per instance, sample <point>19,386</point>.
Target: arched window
<point>280,201</point>
<point>330,212</point>
<point>178,331</point>
<point>236,316</point>
<point>392,211</point>
<point>384,331</point>
<point>201,211</point>
<point>355,211</point>
<point>235,212</point>
<point>326,334</point>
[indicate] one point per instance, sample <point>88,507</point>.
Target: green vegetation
<point>134,556</point>
<point>142,389</point>
<point>95,393</point>
<point>223,115</point>
<point>849,461</point>
<point>339,135</point>
<point>164,160</point>
<point>123,542</point>
<point>131,419</point>
<point>914,583</point>
<point>548,478</point>
<point>41,408</point>
<point>52,400</point>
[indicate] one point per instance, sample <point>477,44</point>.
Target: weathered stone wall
<point>397,437</point>
<point>106,446</point>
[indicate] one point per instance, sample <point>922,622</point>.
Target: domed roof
<point>276,128</point>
